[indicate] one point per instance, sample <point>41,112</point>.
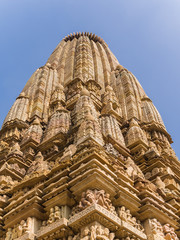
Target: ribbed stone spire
<point>84,153</point>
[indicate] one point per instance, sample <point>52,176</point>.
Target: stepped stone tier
<point>84,153</point>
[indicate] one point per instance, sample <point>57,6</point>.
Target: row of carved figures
<point>92,232</point>
<point>163,231</point>
<point>95,231</point>
<point>19,229</point>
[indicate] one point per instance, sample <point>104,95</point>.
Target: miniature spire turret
<point>84,153</point>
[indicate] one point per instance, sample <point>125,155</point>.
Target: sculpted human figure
<point>90,196</point>
<point>14,232</point>
<point>51,216</point>
<point>28,226</point>
<point>57,214</point>
<point>111,236</point>
<point>139,226</point>
<point>93,232</point>
<point>157,228</point>
<point>20,228</point>
<point>100,196</point>
<point>9,234</point>
<point>99,230</point>
<point>84,202</point>
<point>107,201</point>
<point>85,234</point>
<point>106,233</point>
<point>169,232</point>
<point>129,216</point>
<point>122,213</point>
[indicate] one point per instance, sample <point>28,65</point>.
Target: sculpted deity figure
<point>57,214</point>
<point>9,234</point>
<point>51,216</point>
<point>139,226</point>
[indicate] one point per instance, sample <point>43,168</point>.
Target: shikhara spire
<point>84,153</point>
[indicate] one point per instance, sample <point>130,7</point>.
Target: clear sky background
<point>144,35</point>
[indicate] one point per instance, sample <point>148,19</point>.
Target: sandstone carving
<point>84,153</point>
<point>126,216</point>
<point>132,169</point>
<point>94,197</point>
<point>15,149</point>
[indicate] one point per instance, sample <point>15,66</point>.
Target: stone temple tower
<point>84,153</point>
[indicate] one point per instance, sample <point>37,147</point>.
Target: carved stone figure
<point>169,232</point>
<point>9,234</point>
<point>85,234</point>
<point>157,229</point>
<point>122,213</point>
<point>20,228</point>
<point>95,197</point>
<point>57,213</point>
<point>51,216</point>
<point>132,169</point>
<point>14,232</point>
<point>125,215</point>
<point>28,226</point>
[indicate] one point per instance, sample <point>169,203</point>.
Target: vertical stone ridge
<point>69,63</point>
<point>84,153</point>
<point>105,64</point>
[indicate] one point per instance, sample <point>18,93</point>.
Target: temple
<point>84,153</point>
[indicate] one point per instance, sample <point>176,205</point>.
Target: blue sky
<point>144,36</point>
